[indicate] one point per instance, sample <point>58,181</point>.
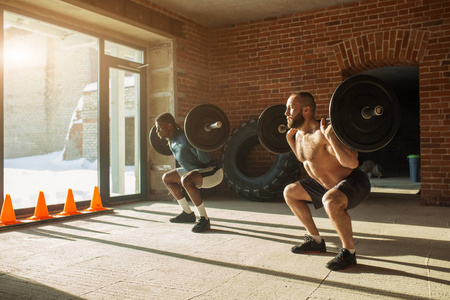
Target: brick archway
<point>378,50</point>
<point>381,49</point>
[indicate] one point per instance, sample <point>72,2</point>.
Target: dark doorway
<point>393,157</point>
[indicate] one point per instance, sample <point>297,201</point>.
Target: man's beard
<point>297,121</point>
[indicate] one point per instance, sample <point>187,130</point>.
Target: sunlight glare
<point>18,55</point>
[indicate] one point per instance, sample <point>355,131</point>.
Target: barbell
<point>364,112</point>
<point>206,127</point>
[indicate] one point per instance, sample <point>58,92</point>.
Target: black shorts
<point>356,187</point>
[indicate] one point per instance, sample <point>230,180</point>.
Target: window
<point>52,114</point>
<point>124,52</point>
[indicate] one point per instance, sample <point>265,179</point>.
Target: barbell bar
<point>209,127</point>
<point>367,113</point>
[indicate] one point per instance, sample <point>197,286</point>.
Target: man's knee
<point>293,192</point>
<point>334,200</point>
<point>187,180</point>
<point>171,177</point>
<point>165,178</point>
<point>287,192</point>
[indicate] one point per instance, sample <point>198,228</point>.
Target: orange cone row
<point>8,216</point>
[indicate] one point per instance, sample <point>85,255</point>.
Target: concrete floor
<point>135,253</point>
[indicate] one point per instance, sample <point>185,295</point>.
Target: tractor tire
<point>266,187</point>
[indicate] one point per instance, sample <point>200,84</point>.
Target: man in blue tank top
<point>198,169</point>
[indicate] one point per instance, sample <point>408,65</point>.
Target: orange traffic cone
<point>96,202</point>
<point>8,217</point>
<point>70,208</point>
<point>41,211</point>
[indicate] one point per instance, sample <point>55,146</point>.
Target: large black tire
<point>266,187</point>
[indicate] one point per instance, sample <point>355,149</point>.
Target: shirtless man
<point>335,182</point>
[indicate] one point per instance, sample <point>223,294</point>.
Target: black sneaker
<point>343,260</point>
<point>184,218</point>
<point>202,225</point>
<point>310,246</point>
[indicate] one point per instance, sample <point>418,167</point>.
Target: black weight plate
<point>352,129</point>
<point>194,127</point>
<point>158,144</point>
<point>268,133</point>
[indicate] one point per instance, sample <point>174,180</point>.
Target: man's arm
<point>347,157</point>
<point>204,157</point>
<point>290,137</point>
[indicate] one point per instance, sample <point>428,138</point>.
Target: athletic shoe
<point>343,260</point>
<point>184,218</point>
<point>310,246</point>
<point>202,225</point>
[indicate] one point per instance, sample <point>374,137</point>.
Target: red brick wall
<point>246,67</point>
<point>192,67</point>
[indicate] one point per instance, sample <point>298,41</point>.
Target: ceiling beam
<point>134,12</point>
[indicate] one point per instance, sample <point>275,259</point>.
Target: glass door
<point>124,99</point>
<point>123,152</point>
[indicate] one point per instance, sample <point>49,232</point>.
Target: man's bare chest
<point>307,146</point>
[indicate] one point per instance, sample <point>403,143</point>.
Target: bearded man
<point>335,181</point>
